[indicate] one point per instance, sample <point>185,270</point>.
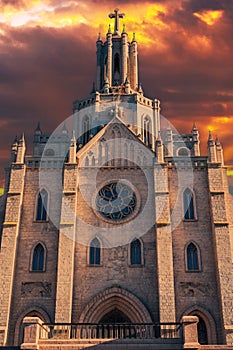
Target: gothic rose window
<point>116,201</point>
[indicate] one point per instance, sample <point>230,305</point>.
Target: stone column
<point>124,41</point>
<point>109,62</point>
<point>99,72</point>
<point>133,64</point>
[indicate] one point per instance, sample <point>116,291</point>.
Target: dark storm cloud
<point>200,5</point>
<point>42,72</point>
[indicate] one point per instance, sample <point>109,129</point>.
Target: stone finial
<point>210,136</point>
<point>196,142</point>
<point>134,37</point>
<point>38,129</point>
<point>72,150</point>
<point>211,149</point>
<point>217,142</point>
<point>14,148</point>
<point>99,37</point>
<point>64,129</point>
<point>219,151</point>
<point>124,31</point>
<point>194,127</point>
<point>109,29</point>
<point>140,88</point>
<point>21,150</point>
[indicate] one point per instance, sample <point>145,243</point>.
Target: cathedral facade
<point>115,217</point>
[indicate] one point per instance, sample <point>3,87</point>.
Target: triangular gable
<point>115,145</point>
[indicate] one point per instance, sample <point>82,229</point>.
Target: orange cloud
<point>209,17</point>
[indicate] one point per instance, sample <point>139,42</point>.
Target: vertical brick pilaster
<point>66,246</point>
<point>9,245</point>
<point>221,237</point>
<point>164,247</point>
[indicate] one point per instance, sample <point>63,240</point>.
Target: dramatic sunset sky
<point>47,59</point>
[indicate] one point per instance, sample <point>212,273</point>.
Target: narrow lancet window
<point>135,252</point>
<point>94,258</point>
<point>42,206</point>
<point>147,129</point>
<point>38,259</point>
<point>192,258</point>
<point>188,200</point>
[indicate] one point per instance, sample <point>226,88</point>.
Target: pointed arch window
<point>117,63</point>
<point>94,256</point>
<point>38,258</point>
<point>147,132</point>
<point>86,130</point>
<point>192,257</point>
<point>188,202</point>
<point>42,206</point>
<point>135,252</point>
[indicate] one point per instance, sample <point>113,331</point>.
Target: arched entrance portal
<point>115,304</point>
<point>115,316</point>
<point>206,326</point>
<point>202,331</point>
<point>33,312</point>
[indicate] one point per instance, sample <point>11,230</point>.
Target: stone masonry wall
<point>34,292</point>
<point>195,292</point>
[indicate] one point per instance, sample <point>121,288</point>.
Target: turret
<point>99,45</point>
<point>109,56</point>
<point>21,151</point>
<point>219,151</point>
<point>116,58</point>
<point>14,149</point>
<point>124,41</point>
<point>134,63</point>
<point>72,150</point>
<point>211,149</point>
<point>196,142</point>
<point>169,142</point>
<point>159,149</point>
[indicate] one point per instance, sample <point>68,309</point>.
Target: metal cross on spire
<point>117,16</point>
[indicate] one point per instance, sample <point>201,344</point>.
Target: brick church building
<point>116,219</point>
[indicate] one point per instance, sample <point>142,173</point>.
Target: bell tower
<point>117,61</point>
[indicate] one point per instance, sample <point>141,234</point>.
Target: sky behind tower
<point>47,60</point>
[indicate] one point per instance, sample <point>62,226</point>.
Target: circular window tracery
<point>116,201</point>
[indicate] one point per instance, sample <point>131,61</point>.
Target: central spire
<point>117,63</point>
<point>117,16</point>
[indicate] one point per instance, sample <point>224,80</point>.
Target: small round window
<point>116,201</point>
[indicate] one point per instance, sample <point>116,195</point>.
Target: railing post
<point>190,334</point>
<point>31,326</point>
